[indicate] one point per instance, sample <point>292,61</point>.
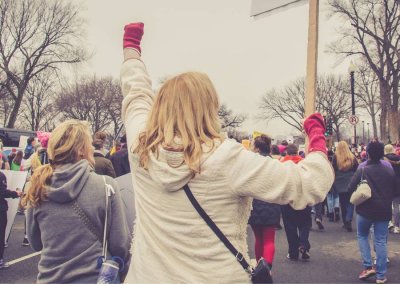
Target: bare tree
<point>115,97</point>
<point>230,120</point>
<point>334,100</point>
<point>370,29</point>
<point>367,91</point>
<point>97,101</point>
<point>37,109</point>
<point>36,36</point>
<point>287,105</point>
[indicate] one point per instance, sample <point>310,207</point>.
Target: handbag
<point>362,193</point>
<point>261,273</point>
<point>109,268</point>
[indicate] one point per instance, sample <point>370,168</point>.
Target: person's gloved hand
<point>314,126</point>
<point>133,35</point>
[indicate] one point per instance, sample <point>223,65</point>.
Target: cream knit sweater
<point>172,244</point>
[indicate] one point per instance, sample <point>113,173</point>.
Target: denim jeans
<point>380,244</point>
<point>396,212</point>
<point>332,200</point>
<point>318,210</point>
<point>346,207</point>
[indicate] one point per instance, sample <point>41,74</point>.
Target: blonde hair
<point>70,142</point>
<point>186,107</point>
<point>35,161</point>
<point>344,157</point>
<point>389,149</point>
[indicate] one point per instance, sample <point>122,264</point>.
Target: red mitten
<point>133,35</point>
<point>314,126</point>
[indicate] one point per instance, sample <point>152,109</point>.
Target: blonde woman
<point>345,164</point>
<point>60,191</point>
<point>175,139</point>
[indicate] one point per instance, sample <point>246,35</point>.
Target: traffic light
<point>329,127</point>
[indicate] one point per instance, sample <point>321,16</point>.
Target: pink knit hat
<point>364,154</point>
<point>282,148</point>
<point>43,138</point>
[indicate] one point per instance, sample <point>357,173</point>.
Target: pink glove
<point>314,126</point>
<point>133,35</point>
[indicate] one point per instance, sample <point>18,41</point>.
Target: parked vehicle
<point>11,136</point>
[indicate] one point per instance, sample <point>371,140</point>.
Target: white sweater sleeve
<point>266,179</point>
<point>138,98</point>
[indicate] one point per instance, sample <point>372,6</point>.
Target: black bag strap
<point>239,257</point>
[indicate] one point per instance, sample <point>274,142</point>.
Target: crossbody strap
<point>109,191</point>
<point>239,257</point>
<point>89,225</point>
<point>362,173</point>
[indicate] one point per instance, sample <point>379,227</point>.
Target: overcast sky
<point>244,57</point>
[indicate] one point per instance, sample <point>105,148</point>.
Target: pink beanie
<point>282,148</point>
<point>364,154</point>
<point>43,138</point>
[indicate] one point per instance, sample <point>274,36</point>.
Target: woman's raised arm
<point>136,84</point>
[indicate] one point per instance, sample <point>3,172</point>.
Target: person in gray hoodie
<point>66,210</point>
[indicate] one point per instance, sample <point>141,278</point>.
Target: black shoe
<point>25,242</point>
<point>330,217</point>
<point>305,255</point>
<point>337,215</point>
<point>319,224</point>
<point>292,257</point>
<point>347,226</point>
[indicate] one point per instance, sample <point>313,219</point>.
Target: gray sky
<point>243,57</point>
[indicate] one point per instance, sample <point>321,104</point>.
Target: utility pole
<point>353,104</point>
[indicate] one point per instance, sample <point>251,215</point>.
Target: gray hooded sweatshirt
<point>69,249</point>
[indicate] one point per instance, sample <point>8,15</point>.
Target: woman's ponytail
<point>37,190</point>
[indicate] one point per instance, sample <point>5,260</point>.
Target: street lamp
<point>368,131</point>
<point>352,69</point>
<point>363,140</point>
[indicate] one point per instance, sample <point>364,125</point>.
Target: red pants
<point>265,242</point>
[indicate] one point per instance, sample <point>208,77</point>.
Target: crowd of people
<point>177,154</point>
<point>380,166</point>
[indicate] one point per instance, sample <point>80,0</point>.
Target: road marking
<point>23,258</point>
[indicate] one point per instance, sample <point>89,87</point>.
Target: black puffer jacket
<point>265,214</point>
<point>5,193</point>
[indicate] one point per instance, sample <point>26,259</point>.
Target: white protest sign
<point>128,198</point>
<point>262,7</point>
<point>14,180</point>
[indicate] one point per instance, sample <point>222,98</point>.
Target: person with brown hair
<point>297,223</point>
<point>345,164</point>
<point>175,142</point>
<point>102,165</point>
<point>17,161</point>
<point>265,217</point>
<point>66,210</point>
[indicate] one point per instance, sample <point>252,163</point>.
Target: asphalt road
<point>335,258</point>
